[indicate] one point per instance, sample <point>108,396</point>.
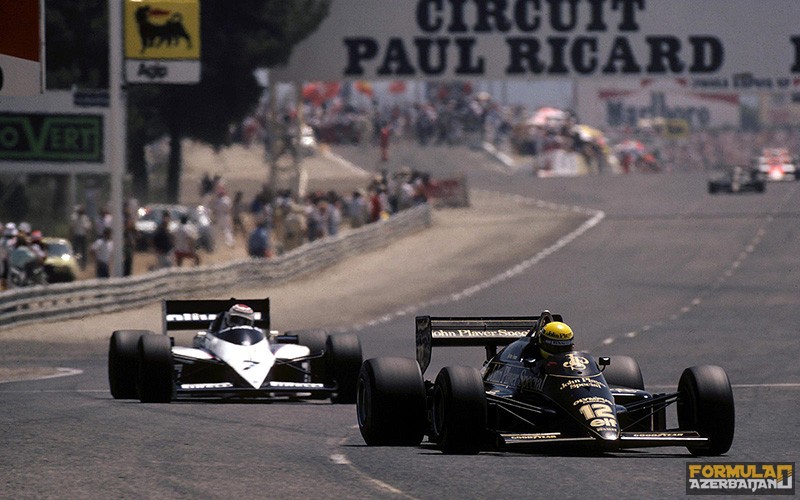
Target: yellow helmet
<point>555,337</point>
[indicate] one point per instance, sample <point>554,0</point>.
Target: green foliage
<point>238,37</point>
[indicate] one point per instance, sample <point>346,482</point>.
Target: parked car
<point>149,217</point>
<point>60,264</point>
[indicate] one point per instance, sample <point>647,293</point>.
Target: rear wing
<point>198,314</point>
<point>488,332</point>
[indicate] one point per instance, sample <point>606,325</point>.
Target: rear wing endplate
<point>489,332</point>
<point>198,314</point>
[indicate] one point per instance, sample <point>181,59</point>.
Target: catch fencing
<point>70,300</point>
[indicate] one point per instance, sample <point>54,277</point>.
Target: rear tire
<point>459,410</point>
<point>390,402</point>
<point>705,405</point>
<point>123,363</point>
<point>156,369</point>
<point>344,359</point>
<point>316,341</point>
<point>624,371</point>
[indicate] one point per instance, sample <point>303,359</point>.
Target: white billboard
<point>631,102</point>
<point>716,44</point>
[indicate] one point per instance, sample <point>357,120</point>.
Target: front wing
<point>270,390</point>
<point>627,439</point>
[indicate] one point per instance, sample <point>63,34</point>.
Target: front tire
<point>390,402</point>
<point>459,410</point>
<point>123,363</point>
<point>156,369</point>
<point>705,405</point>
<point>343,363</point>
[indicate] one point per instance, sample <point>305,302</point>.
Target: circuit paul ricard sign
<point>162,41</point>
<point>719,45</point>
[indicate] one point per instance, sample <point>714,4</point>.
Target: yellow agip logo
<point>162,29</point>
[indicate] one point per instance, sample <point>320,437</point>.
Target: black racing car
<point>738,180</point>
<point>516,401</point>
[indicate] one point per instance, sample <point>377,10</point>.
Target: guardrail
<point>71,300</point>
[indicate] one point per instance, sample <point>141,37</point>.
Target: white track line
<point>595,217</point>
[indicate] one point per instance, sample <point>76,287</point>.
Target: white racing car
<point>235,355</point>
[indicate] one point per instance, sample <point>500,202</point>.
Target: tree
<point>238,37</point>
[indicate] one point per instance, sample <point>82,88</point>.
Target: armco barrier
<point>70,300</point>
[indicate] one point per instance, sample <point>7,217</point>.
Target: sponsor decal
<point>580,383</point>
<point>298,385</point>
<point>515,376</point>
<point>600,416</point>
<point>219,385</point>
<point>593,399</point>
<point>576,362</point>
<point>742,478</point>
<point>532,437</point>
<point>479,333</point>
<point>179,317</point>
<point>663,434</point>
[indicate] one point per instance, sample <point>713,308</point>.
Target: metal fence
<point>80,298</point>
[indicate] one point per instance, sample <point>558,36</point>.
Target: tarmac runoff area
<point>451,255</point>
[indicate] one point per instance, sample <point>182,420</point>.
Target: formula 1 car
<point>246,361</point>
<point>776,164</point>
<point>519,402</point>
<point>738,180</point>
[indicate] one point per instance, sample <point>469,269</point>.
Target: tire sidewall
<point>459,410</point>
<point>706,405</point>
<point>123,363</point>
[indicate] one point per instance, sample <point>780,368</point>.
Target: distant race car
<point>738,180</point>
<point>231,359</point>
<point>778,165</point>
<point>516,402</point>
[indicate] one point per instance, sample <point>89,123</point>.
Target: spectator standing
<point>295,227</point>
<point>385,134</point>
<point>185,239</point>
<point>237,210</point>
<point>102,249</point>
<point>163,242</point>
<point>7,244</point>
<point>314,220</point>
<point>223,215</point>
<point>334,215</point>
<point>129,237</point>
<point>258,242</point>
<point>357,210</point>
<point>80,227</point>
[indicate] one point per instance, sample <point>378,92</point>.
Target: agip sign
<point>721,43</point>
<point>162,41</point>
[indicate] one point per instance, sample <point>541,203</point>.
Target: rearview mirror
<point>604,361</point>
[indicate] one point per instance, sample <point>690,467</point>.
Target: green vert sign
<point>54,138</point>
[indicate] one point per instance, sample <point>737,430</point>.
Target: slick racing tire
<point>123,363</point>
<point>315,340</point>
<point>156,369</point>
<point>705,405</point>
<point>343,357</point>
<point>390,402</point>
<point>459,410</point>
<point>624,371</point>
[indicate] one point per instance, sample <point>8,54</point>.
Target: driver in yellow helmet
<point>555,337</point>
